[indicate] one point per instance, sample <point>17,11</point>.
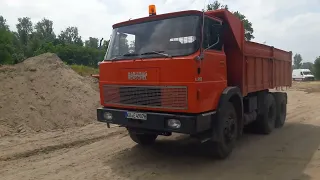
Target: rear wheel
<point>281,109</point>
<point>267,119</point>
<point>229,129</point>
<point>142,138</point>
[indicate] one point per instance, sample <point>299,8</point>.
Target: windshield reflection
<point>176,36</point>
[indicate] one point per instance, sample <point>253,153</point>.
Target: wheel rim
<point>230,129</point>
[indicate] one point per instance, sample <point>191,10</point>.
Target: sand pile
<point>43,93</point>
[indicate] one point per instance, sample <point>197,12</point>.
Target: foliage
<point>3,23</point>
<point>31,40</point>
<point>44,30</point>
<point>316,68</point>
<point>297,61</point>
<point>6,47</point>
<point>70,36</point>
<point>92,42</point>
<point>307,65</point>
<point>216,5</point>
<point>84,70</point>
<point>246,23</point>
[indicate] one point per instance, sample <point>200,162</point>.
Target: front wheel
<point>229,132</point>
<point>142,139</point>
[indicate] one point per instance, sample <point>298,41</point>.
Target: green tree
<point>307,65</point>
<point>6,46</point>
<point>44,30</point>
<point>3,23</point>
<point>297,61</point>
<point>316,68</point>
<point>246,23</point>
<point>248,30</point>
<point>105,44</point>
<point>70,36</point>
<point>92,42</point>
<point>29,41</point>
<point>216,5</point>
<point>25,29</point>
<point>18,54</point>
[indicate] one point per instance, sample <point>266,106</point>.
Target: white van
<point>302,75</point>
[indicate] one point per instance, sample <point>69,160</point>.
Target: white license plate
<point>136,115</point>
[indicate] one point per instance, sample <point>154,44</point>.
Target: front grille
<point>173,97</point>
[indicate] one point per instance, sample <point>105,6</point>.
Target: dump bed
<point>252,66</point>
<point>265,67</point>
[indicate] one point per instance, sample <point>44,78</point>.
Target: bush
<point>316,68</point>
<point>84,70</point>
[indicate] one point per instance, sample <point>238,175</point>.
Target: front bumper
<point>190,124</point>
<point>309,79</point>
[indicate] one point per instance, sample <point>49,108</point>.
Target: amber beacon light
<point>152,10</point>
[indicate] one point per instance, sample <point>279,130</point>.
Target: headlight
<point>174,123</point>
<point>107,116</point>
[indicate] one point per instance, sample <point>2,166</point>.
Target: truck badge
<point>137,75</point>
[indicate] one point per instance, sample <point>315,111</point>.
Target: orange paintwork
<point>177,71</point>
<point>250,66</point>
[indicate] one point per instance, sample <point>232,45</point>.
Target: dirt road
<point>95,152</point>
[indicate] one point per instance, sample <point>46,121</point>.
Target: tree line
<point>35,39</point>
<point>313,67</point>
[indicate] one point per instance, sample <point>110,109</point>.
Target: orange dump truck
<point>192,72</point>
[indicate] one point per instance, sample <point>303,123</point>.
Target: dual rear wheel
<point>273,115</point>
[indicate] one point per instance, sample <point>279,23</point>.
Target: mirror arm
<point>201,56</point>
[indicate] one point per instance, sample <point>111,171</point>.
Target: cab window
<point>212,35</point>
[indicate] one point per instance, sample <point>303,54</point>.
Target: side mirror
<point>100,43</point>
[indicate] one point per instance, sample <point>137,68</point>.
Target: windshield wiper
<point>125,55</point>
<point>131,54</point>
<point>156,52</point>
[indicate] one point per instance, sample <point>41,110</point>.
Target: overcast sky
<point>286,24</point>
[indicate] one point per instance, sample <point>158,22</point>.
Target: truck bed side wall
<point>265,67</point>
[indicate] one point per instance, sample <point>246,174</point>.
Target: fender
<point>227,95</point>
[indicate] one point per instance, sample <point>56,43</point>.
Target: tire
<point>266,120</point>
<point>229,128</point>
<point>281,108</point>
<point>142,139</point>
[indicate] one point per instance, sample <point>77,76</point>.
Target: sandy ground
<point>95,152</point>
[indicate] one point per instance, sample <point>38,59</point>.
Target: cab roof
<point>155,17</point>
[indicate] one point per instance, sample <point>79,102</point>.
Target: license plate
<point>136,115</point>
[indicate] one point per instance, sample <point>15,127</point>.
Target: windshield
<point>306,72</point>
<point>170,37</point>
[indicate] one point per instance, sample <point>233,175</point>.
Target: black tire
<point>142,139</point>
<point>281,106</point>
<point>229,124</point>
<point>266,120</point>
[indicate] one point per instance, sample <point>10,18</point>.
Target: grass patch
<point>84,70</point>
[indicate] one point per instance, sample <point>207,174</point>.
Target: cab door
<point>213,64</point>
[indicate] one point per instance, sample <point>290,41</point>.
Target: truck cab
<point>189,72</point>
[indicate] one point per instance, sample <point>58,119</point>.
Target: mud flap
<point>217,123</point>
